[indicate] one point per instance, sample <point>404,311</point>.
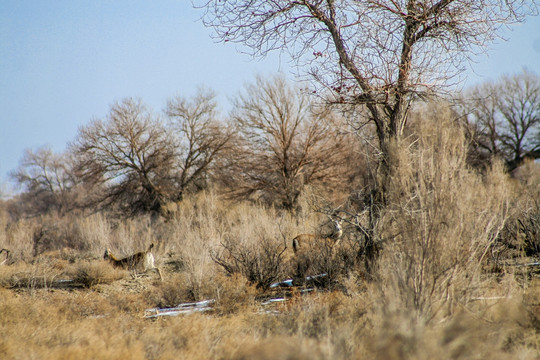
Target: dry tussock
<point>91,273</point>
<point>32,276</point>
<point>234,294</point>
<point>174,290</point>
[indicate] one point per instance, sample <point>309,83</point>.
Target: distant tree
<point>286,143</point>
<point>48,179</point>
<point>504,118</point>
<point>377,54</point>
<point>131,154</point>
<point>139,163</point>
<point>201,137</point>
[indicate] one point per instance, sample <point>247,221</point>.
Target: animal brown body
<point>313,249</point>
<point>140,262</point>
<point>308,241</point>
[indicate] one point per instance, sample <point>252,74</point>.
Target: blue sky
<point>64,62</point>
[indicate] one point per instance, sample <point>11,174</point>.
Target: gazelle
<point>304,241</point>
<point>141,261</point>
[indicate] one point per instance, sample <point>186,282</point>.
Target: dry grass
<point>105,321</point>
<point>432,295</point>
<point>440,223</point>
<point>90,274</point>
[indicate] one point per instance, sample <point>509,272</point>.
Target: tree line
<point>371,62</point>
<point>276,141</point>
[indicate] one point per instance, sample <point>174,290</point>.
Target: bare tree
<point>201,137</point>
<point>48,179</point>
<point>144,165</point>
<point>378,54</point>
<point>132,154</point>
<point>504,117</point>
<point>285,144</point>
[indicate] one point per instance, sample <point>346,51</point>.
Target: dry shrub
<point>59,259</point>
<point>35,276</point>
<point>261,262</point>
<point>63,326</point>
<point>56,233</point>
<point>9,274</point>
<point>4,221</point>
<point>87,235</point>
<point>233,293</point>
<point>17,238</point>
<point>324,325</point>
<point>91,273</point>
<point>95,232</point>
<point>528,177</point>
<point>519,238</point>
<point>189,236</point>
<point>130,303</point>
<point>250,242</point>
<point>439,223</point>
<point>328,325</point>
<point>172,291</point>
<point>490,329</point>
<point>317,254</point>
<point>521,234</point>
<point>530,232</point>
<point>316,315</point>
<point>324,257</point>
<point>280,348</point>
<point>29,238</point>
<point>81,305</point>
<point>317,258</point>
<point>129,236</point>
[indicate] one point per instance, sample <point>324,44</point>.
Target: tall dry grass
<point>62,325</point>
<point>440,221</point>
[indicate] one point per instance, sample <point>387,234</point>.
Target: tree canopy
<point>380,54</point>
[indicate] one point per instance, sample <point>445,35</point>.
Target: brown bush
<point>32,276</point>
<point>332,261</point>
<point>522,233</point>
<point>440,222</point>
<point>93,273</point>
<point>173,291</point>
<point>233,294</point>
<point>261,261</point>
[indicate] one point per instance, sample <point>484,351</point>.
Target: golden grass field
<point>441,288</point>
<point>102,314</point>
<point>106,321</point>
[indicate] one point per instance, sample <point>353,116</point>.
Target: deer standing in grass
<point>306,241</point>
<point>313,250</point>
<point>141,261</point>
